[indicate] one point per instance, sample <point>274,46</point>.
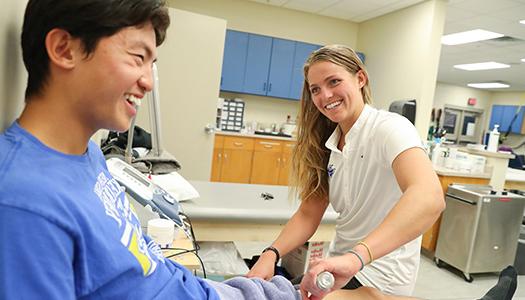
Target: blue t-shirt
<point>68,232</point>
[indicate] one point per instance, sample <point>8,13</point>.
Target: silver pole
<point>154,113</point>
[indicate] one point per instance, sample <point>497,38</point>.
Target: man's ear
<point>63,50</point>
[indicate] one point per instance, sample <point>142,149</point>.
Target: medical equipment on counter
<point>145,191</point>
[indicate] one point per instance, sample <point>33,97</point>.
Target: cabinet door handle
<point>269,143</point>
<point>268,146</point>
<point>269,87</point>
<point>238,144</point>
<point>225,156</point>
<point>219,156</point>
<point>278,162</point>
<point>264,86</point>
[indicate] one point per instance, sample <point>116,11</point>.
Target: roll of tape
<point>162,231</point>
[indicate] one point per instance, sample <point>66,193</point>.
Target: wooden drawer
<point>268,145</point>
<point>238,143</point>
<point>288,147</point>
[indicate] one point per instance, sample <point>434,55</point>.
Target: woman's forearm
<point>301,226</point>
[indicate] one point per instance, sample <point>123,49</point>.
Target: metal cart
<point>479,229</point>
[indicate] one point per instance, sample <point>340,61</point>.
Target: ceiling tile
<point>312,6</point>
<point>485,6</point>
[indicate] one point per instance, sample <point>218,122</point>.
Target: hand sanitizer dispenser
<point>493,139</point>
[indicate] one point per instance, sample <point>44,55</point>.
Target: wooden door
<point>216,162</point>
<point>266,161</point>
<point>237,159</point>
<point>286,157</point>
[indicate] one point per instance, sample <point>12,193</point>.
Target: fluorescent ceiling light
<point>522,22</point>
<point>469,37</point>
<point>482,66</point>
<point>523,59</point>
<point>489,85</point>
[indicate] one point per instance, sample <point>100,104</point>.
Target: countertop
<point>252,135</point>
<point>239,202</point>
<point>449,172</point>
<point>510,175</point>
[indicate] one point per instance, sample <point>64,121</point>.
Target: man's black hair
<point>87,20</point>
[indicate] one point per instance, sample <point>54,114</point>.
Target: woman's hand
<point>264,267</point>
<point>342,267</point>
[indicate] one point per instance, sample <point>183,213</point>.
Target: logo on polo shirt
<point>331,170</point>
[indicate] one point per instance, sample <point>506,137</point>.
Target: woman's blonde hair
<point>310,156</point>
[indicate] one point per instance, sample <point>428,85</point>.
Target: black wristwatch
<point>274,250</point>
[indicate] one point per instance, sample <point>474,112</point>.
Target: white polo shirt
<point>363,189</point>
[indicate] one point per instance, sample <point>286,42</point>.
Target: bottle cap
<point>325,280</point>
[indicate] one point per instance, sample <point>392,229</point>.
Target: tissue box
<point>296,262</point>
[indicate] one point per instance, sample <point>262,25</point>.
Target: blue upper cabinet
<point>262,65</point>
<point>361,56</point>
<point>503,116</point>
<point>302,51</point>
<point>508,113</point>
<point>496,116</point>
<point>280,75</point>
<point>257,64</point>
<point>234,61</point>
<point>518,123</point>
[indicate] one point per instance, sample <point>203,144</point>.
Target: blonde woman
<point>370,165</point>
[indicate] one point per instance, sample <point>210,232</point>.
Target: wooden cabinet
<point>251,160</point>
<point>266,161</point>
<point>232,159</point>
<point>216,162</point>
<point>430,237</point>
<point>286,159</point>
<point>271,162</point>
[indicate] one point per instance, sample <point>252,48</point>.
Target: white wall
<point>189,63</point>
<point>458,95</point>
<point>402,50</point>
<point>508,98</point>
<point>273,21</point>
<point>13,76</point>
<point>266,110</point>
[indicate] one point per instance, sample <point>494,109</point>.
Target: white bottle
<point>493,139</point>
<point>436,152</point>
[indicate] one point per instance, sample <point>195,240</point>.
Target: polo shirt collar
<point>333,140</point>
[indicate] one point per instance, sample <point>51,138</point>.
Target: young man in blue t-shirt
<point>66,228</point>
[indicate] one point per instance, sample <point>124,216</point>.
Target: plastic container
<point>162,231</point>
<point>493,139</point>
